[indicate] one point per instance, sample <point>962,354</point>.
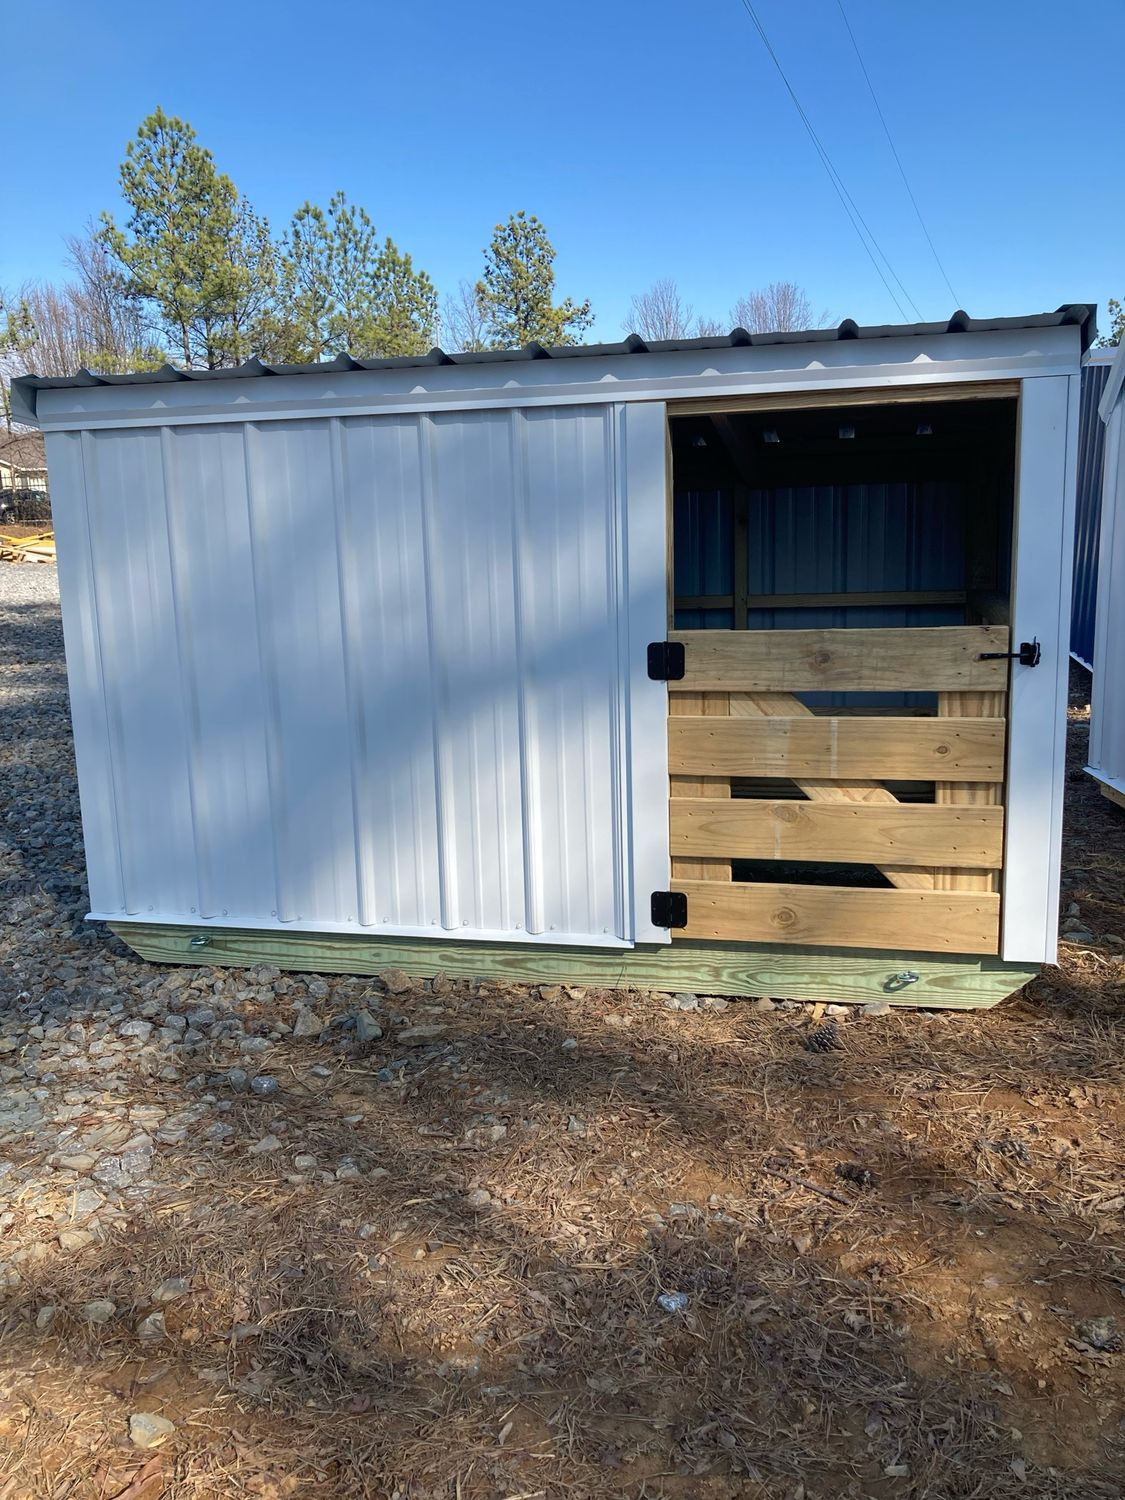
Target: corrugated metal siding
<point>1107,694</point>
<point>859,538</point>
<point>354,674</point>
<point>703,562</point>
<point>1088,513</point>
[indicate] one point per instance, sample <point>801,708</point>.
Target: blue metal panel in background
<point>827,539</point>
<point>1088,513</point>
<point>701,525</point>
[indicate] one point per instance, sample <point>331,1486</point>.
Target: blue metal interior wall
<point>856,538</point>
<point>1088,513</point>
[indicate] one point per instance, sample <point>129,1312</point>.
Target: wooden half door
<point>928,866</point>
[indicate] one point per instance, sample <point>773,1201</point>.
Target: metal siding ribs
<point>1088,512</point>
<point>362,674</point>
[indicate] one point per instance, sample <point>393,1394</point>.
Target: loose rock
<point>172,1290</point>
<point>414,1035</point>
<point>367,1028</point>
<point>148,1429</point>
<point>308,1023</point>
<point>75,1239</point>
<point>151,1330</point>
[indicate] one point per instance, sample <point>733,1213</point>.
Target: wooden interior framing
<point>882,395</point>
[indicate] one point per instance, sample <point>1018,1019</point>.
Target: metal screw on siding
<point>200,940</point>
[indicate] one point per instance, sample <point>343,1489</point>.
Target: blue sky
<point>653,138</point>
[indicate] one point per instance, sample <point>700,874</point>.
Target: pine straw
<point>915,1333</point>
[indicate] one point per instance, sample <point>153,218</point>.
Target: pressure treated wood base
<point>770,970</point>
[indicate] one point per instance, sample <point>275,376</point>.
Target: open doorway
<point>858,764</point>
<point>840,516</point>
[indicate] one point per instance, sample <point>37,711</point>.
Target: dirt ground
<point>432,1263</point>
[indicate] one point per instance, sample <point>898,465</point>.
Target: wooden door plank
<point>758,705</point>
<point>943,658</point>
<point>701,705</point>
<point>964,706</point>
<point>838,916</point>
<point>840,832</point>
<point>846,749</point>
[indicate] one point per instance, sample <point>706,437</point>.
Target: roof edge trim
<point>25,388</point>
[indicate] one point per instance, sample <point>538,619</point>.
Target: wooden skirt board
<point>781,972</point>
<point>941,861</point>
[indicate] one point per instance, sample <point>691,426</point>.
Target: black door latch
<point>1028,655</point>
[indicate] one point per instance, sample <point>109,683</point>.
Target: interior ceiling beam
<point>879,395</point>
<point>737,444</point>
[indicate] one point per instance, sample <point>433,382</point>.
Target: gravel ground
<point>271,1234</point>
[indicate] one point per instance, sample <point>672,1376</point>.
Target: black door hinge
<point>1028,655</point>
<point>666,661</point>
<point>669,909</point>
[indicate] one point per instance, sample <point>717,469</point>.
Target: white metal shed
<point>371,662</point>
<point>1107,692</point>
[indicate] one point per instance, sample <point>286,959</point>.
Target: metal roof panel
<point>1081,314</point>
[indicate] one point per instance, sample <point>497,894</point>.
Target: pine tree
<point>247,323</point>
<point>346,293</point>
<point>183,217</point>
<point>406,305</point>
<point>305,285</point>
<point>516,293</point>
<point>17,338</point>
<point>1116,314</point>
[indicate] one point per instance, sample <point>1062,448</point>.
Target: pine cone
<point>823,1038</point>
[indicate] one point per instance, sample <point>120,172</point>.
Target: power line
<point>858,222</point>
<point>894,153</point>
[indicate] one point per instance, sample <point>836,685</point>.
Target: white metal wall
<point>370,673</point>
<point>1042,567</point>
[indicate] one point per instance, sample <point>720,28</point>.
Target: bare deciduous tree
<point>112,324</point>
<point>660,312</point>
<point>709,328</point>
<point>463,322</point>
<point>781,307</point>
<point>90,322</point>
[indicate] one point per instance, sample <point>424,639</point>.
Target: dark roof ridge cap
<point>1079,314</point>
